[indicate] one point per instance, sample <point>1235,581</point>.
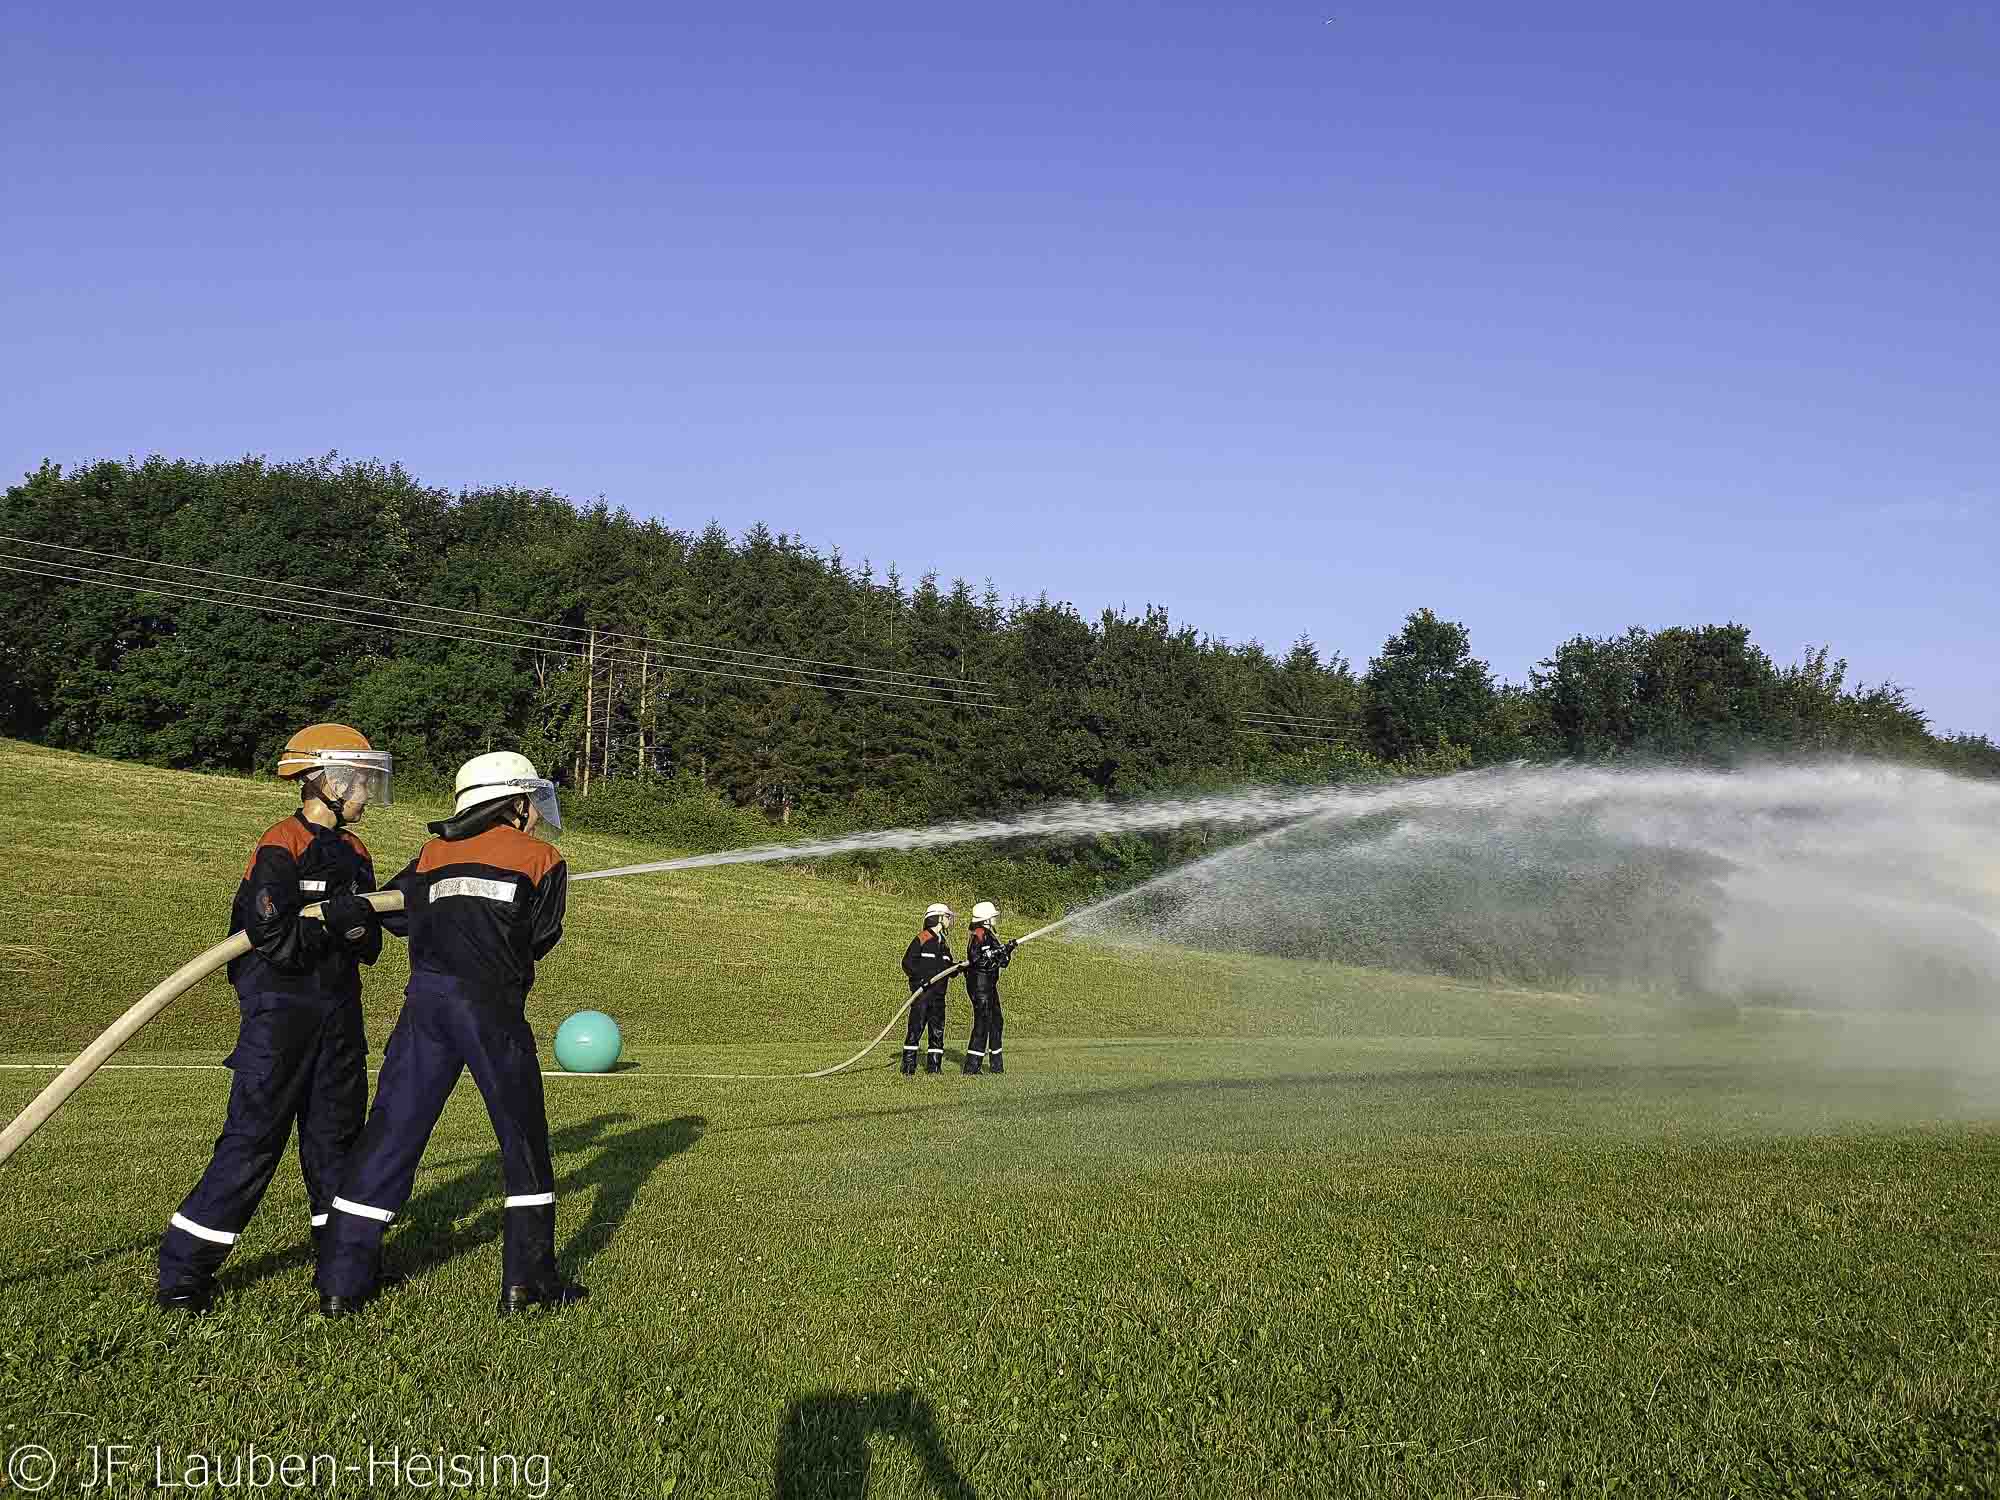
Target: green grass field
<point>1227,1226</point>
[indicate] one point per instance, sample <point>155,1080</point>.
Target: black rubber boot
<point>971,1067</point>
<point>557,1294</point>
<point>332,1306</point>
<point>993,1063</point>
<point>192,1300</point>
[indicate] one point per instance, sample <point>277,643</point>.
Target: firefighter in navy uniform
<point>985,957</point>
<point>301,1055</point>
<point>928,955</point>
<point>483,903</point>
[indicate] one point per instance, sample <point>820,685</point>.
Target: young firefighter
<point>927,956</point>
<point>483,903</point>
<point>985,957</point>
<point>301,1055</point>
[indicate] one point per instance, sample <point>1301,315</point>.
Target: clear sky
<point>1556,318</point>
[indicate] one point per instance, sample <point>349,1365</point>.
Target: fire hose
<point>198,968</point>
<point>149,1005</point>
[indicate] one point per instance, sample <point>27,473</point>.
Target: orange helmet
<point>345,761</point>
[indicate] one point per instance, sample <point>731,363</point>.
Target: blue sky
<point>1555,318</point>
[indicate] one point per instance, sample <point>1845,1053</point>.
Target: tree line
<point>1023,701</point>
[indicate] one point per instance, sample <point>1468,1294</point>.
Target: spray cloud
<point>1850,885</point>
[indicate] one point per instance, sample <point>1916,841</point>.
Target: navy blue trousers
<point>296,1060</point>
<point>925,1014</point>
<point>987,1024</point>
<point>444,1031</point>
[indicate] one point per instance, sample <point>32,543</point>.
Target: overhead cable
<point>668,647</point>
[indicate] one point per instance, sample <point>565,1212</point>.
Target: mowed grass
<point>1226,1226</point>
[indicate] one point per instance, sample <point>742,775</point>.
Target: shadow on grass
<point>823,1445</point>
<point>84,1262</point>
<point>991,1098</point>
<point>618,1168</point>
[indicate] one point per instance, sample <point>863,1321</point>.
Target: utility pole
<point>610,715</point>
<point>589,706</point>
<point>644,656</point>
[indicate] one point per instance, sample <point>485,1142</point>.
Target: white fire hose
<point>122,1030</point>
<point>198,968</point>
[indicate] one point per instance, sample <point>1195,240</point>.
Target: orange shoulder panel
<point>502,848</point>
<point>539,857</point>
<point>290,836</point>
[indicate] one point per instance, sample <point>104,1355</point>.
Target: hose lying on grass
<point>198,968</point>
<point>840,1067</point>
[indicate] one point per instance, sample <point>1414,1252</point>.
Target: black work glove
<point>1007,949</point>
<point>349,918</point>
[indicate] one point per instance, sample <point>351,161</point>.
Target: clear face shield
<point>358,779</point>
<point>541,794</point>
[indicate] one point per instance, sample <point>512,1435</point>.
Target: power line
<point>568,650</point>
<point>1321,739</point>
<point>770,660</point>
<point>669,646</point>
<point>496,635</point>
<point>484,634</point>
<point>1297,719</point>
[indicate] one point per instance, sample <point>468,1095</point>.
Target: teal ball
<point>588,1042</point>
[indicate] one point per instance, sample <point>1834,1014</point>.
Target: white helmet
<point>943,913</point>
<point>987,912</point>
<point>505,773</point>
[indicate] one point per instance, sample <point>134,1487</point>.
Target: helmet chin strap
<point>335,805</point>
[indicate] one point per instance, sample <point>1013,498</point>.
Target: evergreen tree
<point>1427,692</point>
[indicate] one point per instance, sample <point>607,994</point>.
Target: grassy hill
<point>129,870</point>
<point>1228,1225</point>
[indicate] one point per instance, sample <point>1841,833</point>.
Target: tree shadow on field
<point>823,1445</point>
<point>621,1166</point>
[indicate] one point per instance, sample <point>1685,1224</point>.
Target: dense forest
<point>748,682</point>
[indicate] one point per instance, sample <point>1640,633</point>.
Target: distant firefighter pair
<point>929,965</point>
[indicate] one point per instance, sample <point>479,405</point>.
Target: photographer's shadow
<point>823,1445</point>
<point>619,1167</point>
